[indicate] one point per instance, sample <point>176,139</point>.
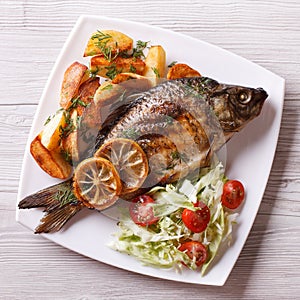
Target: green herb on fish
<point>65,196</point>
<point>131,133</point>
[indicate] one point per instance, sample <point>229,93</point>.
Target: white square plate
<point>250,153</point>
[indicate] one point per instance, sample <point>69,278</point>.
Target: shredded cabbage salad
<point>157,245</point>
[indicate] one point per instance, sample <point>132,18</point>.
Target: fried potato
<point>181,71</point>
<point>52,162</point>
<point>107,93</point>
<point>141,83</point>
<point>69,144</point>
<point>73,77</point>
<point>91,118</point>
<point>108,42</point>
<point>109,69</point>
<point>155,62</point>
<point>125,76</point>
<point>50,135</point>
<point>86,93</point>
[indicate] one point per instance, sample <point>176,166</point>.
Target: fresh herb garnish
<point>156,72</point>
<point>169,120</point>
<point>102,40</point>
<point>131,133</point>
<point>132,69</point>
<point>138,51</point>
<point>65,196</point>
<point>93,72</point>
<point>175,155</point>
<point>69,127</point>
<point>66,155</point>
<point>107,87</point>
<point>48,120</point>
<point>112,71</point>
<point>173,63</point>
<point>75,102</point>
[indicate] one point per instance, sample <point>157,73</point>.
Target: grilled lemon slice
<point>129,160</point>
<point>97,183</point>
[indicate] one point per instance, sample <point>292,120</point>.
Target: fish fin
<point>48,197</point>
<point>55,219</point>
<point>60,205</point>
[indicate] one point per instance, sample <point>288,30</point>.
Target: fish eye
<point>244,97</point>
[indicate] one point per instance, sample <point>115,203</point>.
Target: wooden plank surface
<point>32,33</point>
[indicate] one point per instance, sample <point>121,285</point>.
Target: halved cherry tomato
<point>233,194</point>
<point>195,250</point>
<point>197,220</point>
<point>141,212</point>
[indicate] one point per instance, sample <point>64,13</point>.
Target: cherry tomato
<point>233,194</point>
<point>197,220</point>
<point>195,250</point>
<point>141,212</point>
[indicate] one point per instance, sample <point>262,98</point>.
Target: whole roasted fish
<point>179,124</point>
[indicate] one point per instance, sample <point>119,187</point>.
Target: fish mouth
<point>260,95</point>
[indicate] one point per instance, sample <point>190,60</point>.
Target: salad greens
<point>157,245</point>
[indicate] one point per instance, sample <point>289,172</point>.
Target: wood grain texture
<point>32,34</point>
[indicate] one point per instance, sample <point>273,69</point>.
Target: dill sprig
<point>131,133</point>
<point>102,40</point>
<point>156,72</point>
<point>138,51</point>
<point>173,63</point>
<point>75,102</point>
<point>65,196</point>
<point>112,71</point>
<point>70,125</point>
<point>67,156</point>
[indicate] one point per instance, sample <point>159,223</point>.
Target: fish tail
<point>59,203</point>
<point>47,198</point>
<point>55,219</point>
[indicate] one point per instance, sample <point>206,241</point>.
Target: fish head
<point>235,106</point>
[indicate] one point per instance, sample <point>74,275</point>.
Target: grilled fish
<point>179,124</point>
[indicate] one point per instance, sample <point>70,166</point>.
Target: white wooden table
<point>32,33</point>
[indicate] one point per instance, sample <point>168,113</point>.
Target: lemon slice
<point>97,183</point>
<point>130,161</point>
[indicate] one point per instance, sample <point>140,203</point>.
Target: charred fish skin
<point>233,106</point>
<point>196,114</point>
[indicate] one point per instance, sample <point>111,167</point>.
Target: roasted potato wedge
<point>86,93</point>
<point>108,42</point>
<point>73,78</point>
<point>107,93</point>
<point>155,62</point>
<point>181,71</point>
<point>109,69</point>
<point>52,162</point>
<point>50,135</point>
<point>122,77</point>
<point>69,144</point>
<point>141,83</point>
<point>91,118</point>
